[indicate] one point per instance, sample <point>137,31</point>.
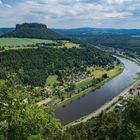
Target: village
<point>70,82</point>
<point>132,92</point>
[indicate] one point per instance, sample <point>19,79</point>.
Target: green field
<point>97,73</point>
<point>83,83</point>
<point>22,41</point>
<point>69,45</point>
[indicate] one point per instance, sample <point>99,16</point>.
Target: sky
<point>71,13</point>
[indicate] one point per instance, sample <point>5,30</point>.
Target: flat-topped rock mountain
<point>33,30</point>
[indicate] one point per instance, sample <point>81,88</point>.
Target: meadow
<point>22,41</point>
<point>69,45</point>
<point>97,72</point>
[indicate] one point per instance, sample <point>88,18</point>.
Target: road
<point>46,101</point>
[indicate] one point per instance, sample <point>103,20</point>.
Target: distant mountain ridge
<point>97,31</point>
<point>33,30</point>
<point>5,30</point>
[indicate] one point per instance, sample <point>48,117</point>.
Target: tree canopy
<point>39,63</point>
<point>21,119</point>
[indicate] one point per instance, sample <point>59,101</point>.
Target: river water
<point>92,101</point>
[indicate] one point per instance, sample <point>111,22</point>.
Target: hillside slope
<point>39,63</point>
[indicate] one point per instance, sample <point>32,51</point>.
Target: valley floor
<point>112,73</point>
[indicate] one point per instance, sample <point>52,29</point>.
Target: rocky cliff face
<point>31,25</point>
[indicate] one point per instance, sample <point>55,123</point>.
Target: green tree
<point>70,87</point>
<point>20,119</point>
<point>131,123</point>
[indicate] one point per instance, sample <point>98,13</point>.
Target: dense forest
<point>39,63</point>
<point>22,119</point>
<point>126,43</point>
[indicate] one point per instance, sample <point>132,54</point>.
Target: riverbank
<point>45,101</point>
<point>86,91</point>
<point>137,61</point>
<point>104,107</point>
<point>67,100</point>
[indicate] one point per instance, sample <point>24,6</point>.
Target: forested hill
<point>33,30</point>
<point>127,40</point>
<point>39,63</point>
<point>97,31</point>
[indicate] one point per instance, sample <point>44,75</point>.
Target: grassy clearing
<point>99,72</point>
<point>21,41</point>
<point>83,83</point>
<point>69,45</point>
<point>113,72</point>
<point>52,79</point>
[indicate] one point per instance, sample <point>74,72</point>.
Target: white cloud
<point>72,13</point>
<point>116,1</point>
<point>115,14</point>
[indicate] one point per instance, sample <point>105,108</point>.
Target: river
<point>92,101</point>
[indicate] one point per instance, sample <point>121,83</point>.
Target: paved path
<point>46,101</point>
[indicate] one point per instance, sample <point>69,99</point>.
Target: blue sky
<point>72,13</point>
